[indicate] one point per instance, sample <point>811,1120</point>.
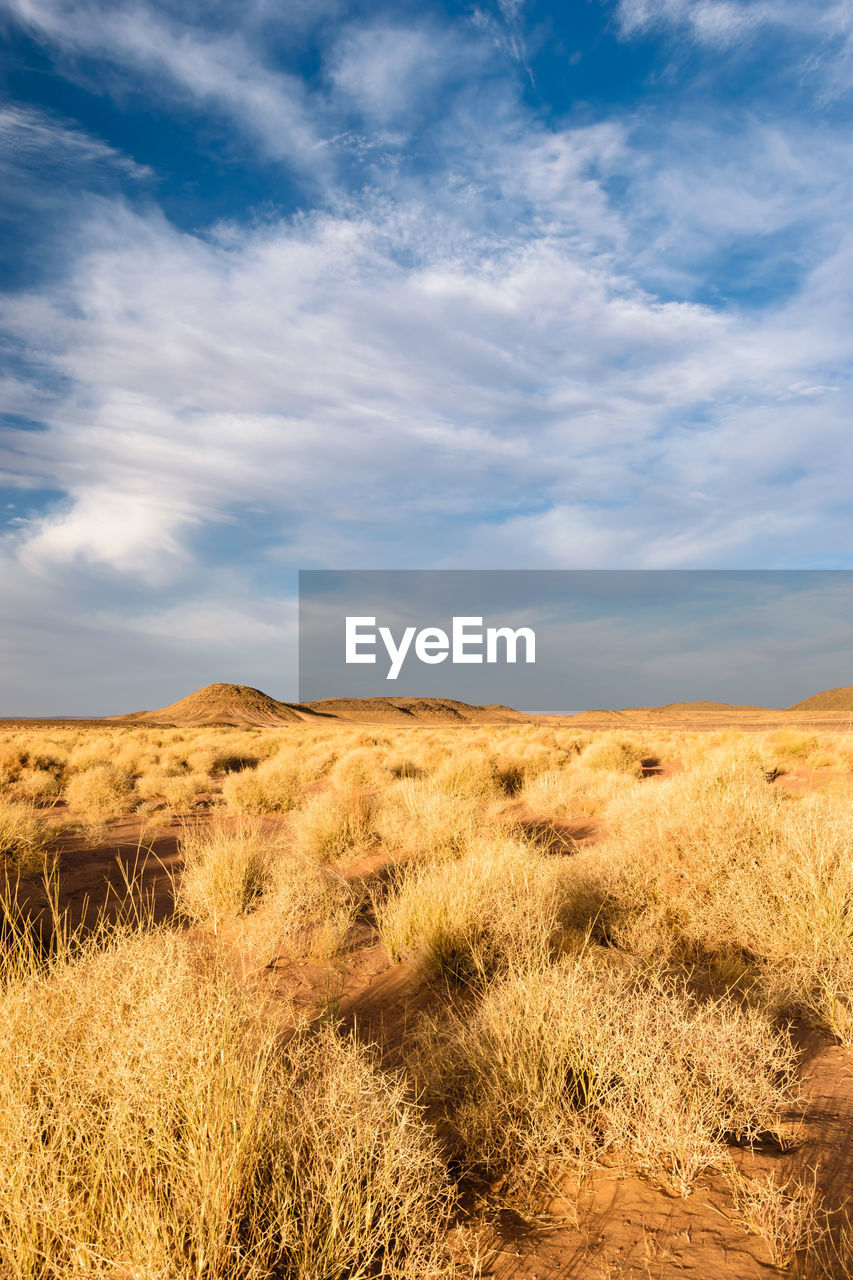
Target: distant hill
<point>712,709</point>
<point>230,704</point>
<point>240,704</point>
<point>409,710</point>
<point>830,700</point>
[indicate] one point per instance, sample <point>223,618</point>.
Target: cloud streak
<point>212,72</point>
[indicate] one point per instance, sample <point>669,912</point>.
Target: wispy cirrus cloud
<point>213,71</point>
<point>820,37</point>
<point>33,139</point>
<point>316,373</point>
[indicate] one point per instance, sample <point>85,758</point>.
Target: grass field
<point>417,985</point>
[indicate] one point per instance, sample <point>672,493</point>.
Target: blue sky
<point>317,284</point>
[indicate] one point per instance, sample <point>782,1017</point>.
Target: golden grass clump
<point>89,751</point>
<point>100,791</point>
<point>153,1123</point>
<point>417,818</point>
<point>333,825</point>
<point>720,867</point>
<point>183,790</point>
<point>308,909</point>
<point>226,869</point>
<point>502,904</point>
<point>363,768</point>
<point>586,1059</point>
<point>471,772</point>
<point>576,792</point>
<point>615,755</point>
<point>39,785</point>
<point>25,837</point>
<point>274,787</point>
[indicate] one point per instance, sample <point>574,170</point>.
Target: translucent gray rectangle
<point>602,638</point>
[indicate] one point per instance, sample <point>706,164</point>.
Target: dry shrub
<point>616,755</point>
<point>24,837</point>
<point>520,764</point>
<point>333,825</point>
<point>787,1215</point>
<point>361,769</point>
<point>316,760</point>
<point>11,763</point>
<point>233,761</point>
<point>502,904</point>
<point>405,767</point>
<point>152,782</point>
<point>152,1124</point>
<point>90,752</point>
<point>37,785</point>
<point>182,790</point>
<point>585,1059</point>
<point>792,744</point>
<point>100,791</point>
<point>419,819</point>
<point>274,787</point>
<point>226,869</point>
<point>576,792</point>
<point>308,909</point>
<point>469,773</point>
<point>786,747</point>
<point>719,867</point>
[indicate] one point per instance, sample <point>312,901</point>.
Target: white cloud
<point>29,138</point>
<point>821,35</point>
<point>330,372</point>
<point>715,22</point>
<point>386,71</point>
<point>219,72</point>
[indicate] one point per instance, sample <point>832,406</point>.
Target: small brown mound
<point>414,711</point>
<point>714,709</point>
<point>596,717</point>
<point>226,704</point>
<point>830,700</point>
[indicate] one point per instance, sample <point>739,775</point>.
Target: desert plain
<point>411,988</point>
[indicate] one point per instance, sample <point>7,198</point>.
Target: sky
<point>295,284</point>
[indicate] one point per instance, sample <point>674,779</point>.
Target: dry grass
<point>100,791</point>
<point>36,784</point>
<point>333,825</point>
<point>274,787</point>
<point>613,755</point>
<point>421,820</point>
<point>584,1059</point>
<point>308,910</point>
<point>577,792</point>
<point>183,790</point>
<point>25,838</point>
<point>719,868</point>
<point>226,868</point>
<point>787,1214</point>
<point>503,904</point>
<point>152,1124</point>
<point>626,1004</point>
